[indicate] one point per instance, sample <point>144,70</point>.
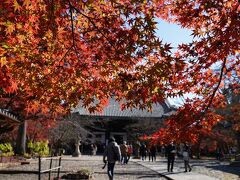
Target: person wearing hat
<point>113,154</point>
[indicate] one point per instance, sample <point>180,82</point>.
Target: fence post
<point>59,164</point>
<point>39,167</point>
<point>49,173</point>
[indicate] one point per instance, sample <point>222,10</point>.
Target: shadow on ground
<point>226,168</point>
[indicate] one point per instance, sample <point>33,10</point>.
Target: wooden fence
<point>51,168</point>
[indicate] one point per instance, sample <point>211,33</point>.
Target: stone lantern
<point>77,152</point>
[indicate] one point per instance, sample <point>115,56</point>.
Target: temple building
<point>7,121</point>
<point>124,125</point>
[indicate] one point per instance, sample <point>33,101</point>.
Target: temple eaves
<point>114,110</point>
<point>8,117</point>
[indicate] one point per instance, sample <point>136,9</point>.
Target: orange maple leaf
<point>16,6</point>
<point>10,28</point>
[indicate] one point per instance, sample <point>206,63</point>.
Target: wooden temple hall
<point>124,125</point>
<point>7,121</point>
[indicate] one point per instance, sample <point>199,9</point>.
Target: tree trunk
<point>21,138</point>
<point>198,145</point>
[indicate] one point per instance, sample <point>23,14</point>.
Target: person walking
<point>124,149</point>
<point>218,153</point>
<point>129,152</point>
<point>91,149</point>
<point>171,151</point>
<point>143,151</point>
<point>186,158</point>
<point>149,152</point>
<point>163,151</point>
<point>113,154</point>
<point>153,151</point>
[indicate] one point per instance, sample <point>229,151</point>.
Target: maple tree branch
<point>72,28</point>
<point>219,82</point>
<point>65,54</point>
<point>214,91</point>
<point>34,116</point>
<point>211,99</point>
<point>94,25</point>
<point>9,102</point>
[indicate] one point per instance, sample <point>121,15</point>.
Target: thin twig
<point>72,26</point>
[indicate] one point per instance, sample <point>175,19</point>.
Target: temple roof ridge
<point>113,109</point>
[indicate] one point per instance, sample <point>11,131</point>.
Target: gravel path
<point>201,169</point>
<point>214,168</point>
<point>130,171</point>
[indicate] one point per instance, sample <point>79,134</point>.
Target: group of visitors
<point>171,153</point>
<point>221,154</point>
<point>151,151</point>
<point>114,152</point>
<point>122,153</point>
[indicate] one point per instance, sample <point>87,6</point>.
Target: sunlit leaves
<point>66,51</point>
<point>51,51</point>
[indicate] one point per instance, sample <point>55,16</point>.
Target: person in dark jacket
<point>171,151</point>
<point>153,151</point>
<point>143,151</point>
<point>113,154</point>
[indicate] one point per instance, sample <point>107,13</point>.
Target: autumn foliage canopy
<point>54,54</point>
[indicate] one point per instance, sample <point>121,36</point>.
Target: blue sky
<point>174,34</point>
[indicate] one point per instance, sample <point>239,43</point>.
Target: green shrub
<point>6,149</point>
<point>86,172</point>
<point>41,148</point>
<point>26,155</point>
<point>81,174</point>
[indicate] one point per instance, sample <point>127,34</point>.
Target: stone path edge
<point>26,172</point>
<point>162,175</point>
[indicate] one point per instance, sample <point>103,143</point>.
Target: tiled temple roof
<point>114,110</point>
<point>6,116</point>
